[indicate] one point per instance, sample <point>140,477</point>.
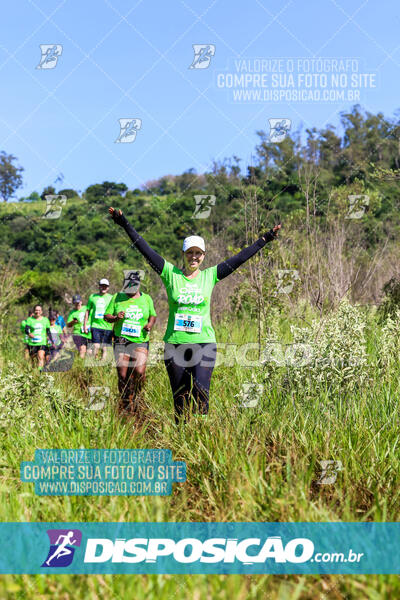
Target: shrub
<point>26,399</point>
<point>330,353</point>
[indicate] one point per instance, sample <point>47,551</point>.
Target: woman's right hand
<point>121,315</point>
<point>117,216</point>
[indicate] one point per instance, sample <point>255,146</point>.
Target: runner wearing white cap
<point>190,344</point>
<point>193,241</point>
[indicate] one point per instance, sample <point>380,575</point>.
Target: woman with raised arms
<point>190,344</point>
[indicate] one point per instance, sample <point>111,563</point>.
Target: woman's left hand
<point>272,234</point>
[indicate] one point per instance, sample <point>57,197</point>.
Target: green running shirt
<point>137,313</point>
<point>77,328</point>
<point>38,328</point>
<point>26,337</point>
<point>189,320</point>
<point>96,306</point>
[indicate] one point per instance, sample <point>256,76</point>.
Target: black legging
<point>189,368</point>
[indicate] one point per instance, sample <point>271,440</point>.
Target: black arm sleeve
<point>27,329</point>
<point>153,258</point>
<point>228,266</point>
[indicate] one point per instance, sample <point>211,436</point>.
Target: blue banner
<point>224,548</point>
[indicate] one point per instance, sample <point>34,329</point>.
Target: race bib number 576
<point>188,323</point>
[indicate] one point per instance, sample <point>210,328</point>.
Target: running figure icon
<point>62,549</point>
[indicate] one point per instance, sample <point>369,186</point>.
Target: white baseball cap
<point>104,281</point>
<point>193,240</point>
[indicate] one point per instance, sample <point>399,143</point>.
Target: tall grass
<point>243,464</point>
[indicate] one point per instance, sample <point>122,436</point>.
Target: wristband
<point>119,219</point>
<point>270,235</point>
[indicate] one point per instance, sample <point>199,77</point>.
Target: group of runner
<point>45,336</point>
<point>124,319</point>
<point>127,317</point>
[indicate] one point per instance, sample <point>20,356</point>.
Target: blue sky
<point>123,59</point>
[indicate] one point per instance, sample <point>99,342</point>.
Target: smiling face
<point>78,305</point>
<point>37,311</point>
<point>193,257</point>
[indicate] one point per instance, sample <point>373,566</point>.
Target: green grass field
<point>243,464</point>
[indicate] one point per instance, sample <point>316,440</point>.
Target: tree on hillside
<point>10,176</point>
<point>98,191</point>
<point>68,193</point>
<point>48,191</point>
<point>33,197</point>
<point>188,182</point>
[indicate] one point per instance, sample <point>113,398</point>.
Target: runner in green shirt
<point>94,316</point>
<point>133,315</point>
<point>26,338</point>
<point>75,320</point>
<point>190,349</point>
<point>37,329</point>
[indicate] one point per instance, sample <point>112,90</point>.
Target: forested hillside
<point>305,182</point>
